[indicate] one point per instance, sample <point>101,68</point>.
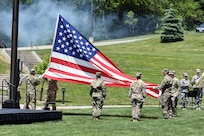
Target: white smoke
<point>38,26</point>
<point>37,22</point>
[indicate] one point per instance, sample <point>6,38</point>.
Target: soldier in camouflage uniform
<point>137,94</point>
<point>51,94</point>
<point>199,96</point>
<point>174,94</point>
<point>185,85</point>
<point>165,87</point>
<point>98,94</point>
<point>32,82</point>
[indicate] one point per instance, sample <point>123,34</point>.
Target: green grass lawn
<point>149,57</point>
<point>4,65</point>
<point>114,122</point>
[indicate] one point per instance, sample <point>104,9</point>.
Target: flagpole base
<point>10,104</point>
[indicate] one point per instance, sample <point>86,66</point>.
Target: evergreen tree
<point>171,26</point>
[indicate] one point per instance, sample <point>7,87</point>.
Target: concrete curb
<point>89,107</point>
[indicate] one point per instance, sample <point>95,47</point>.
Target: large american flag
<point>75,59</point>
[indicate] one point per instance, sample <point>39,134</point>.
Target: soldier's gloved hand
<point>40,77</point>
<point>155,88</point>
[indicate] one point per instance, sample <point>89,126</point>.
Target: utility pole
<point>14,67</point>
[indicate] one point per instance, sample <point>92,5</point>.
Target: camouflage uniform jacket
<point>97,88</point>
<point>194,80</point>
<point>185,84</point>
<point>166,84</point>
<point>176,87</point>
<point>137,90</point>
<point>32,82</point>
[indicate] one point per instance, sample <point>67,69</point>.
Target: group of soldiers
<point>197,86</point>
<point>31,82</point>
<point>137,96</point>
<point>172,88</point>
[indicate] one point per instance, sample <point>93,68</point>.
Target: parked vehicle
<point>200,28</point>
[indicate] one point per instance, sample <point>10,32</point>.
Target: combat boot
<point>135,120</point>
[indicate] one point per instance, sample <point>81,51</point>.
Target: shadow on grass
<point>149,117</point>
<point>109,115</point>
<point>60,101</point>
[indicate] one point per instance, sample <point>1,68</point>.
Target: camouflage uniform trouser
<point>30,97</point>
<point>173,105</point>
<point>136,108</point>
<point>184,97</point>
<point>199,97</point>
<point>165,102</point>
<point>97,105</point>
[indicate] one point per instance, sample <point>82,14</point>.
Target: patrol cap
<point>98,73</point>
<point>171,73</point>
<point>197,70</point>
<point>138,74</point>
<point>32,70</point>
<point>185,74</point>
<point>165,70</point>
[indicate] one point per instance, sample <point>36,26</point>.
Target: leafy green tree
<point>41,67</point>
<point>191,12</point>
<point>171,26</point>
<point>131,21</point>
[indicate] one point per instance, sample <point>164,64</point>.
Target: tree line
<point>132,17</point>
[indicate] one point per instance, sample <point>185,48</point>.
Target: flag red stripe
<point>76,78</point>
<point>113,72</point>
<point>79,67</point>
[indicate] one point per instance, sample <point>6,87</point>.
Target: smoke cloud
<point>37,22</point>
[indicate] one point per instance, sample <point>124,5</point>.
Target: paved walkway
<point>63,107</point>
<point>100,43</point>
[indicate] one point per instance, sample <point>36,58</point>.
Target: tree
<point>41,67</point>
<point>191,12</point>
<point>171,26</point>
<point>131,21</point>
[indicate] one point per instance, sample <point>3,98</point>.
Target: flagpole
<point>14,67</point>
<point>53,41</point>
<point>91,39</point>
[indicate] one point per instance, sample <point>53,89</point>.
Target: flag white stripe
<point>148,91</point>
<point>114,75</point>
<point>72,60</point>
<point>106,62</point>
<point>79,79</point>
<point>83,63</point>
